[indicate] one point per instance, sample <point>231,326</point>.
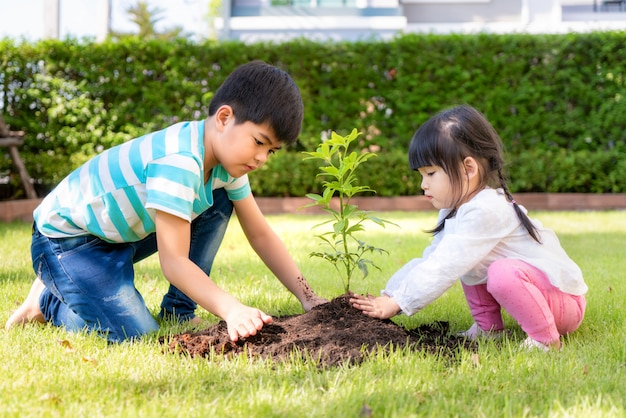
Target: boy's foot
<point>199,323</point>
<point>476,332</point>
<point>29,311</point>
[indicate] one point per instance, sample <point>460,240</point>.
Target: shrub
<point>549,96</point>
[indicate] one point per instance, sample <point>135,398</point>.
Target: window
<point>314,3</point>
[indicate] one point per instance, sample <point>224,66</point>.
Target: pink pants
<point>524,292</point>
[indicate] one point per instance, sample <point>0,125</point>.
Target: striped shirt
<point>115,195</point>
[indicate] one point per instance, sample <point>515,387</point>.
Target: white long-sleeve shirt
<point>485,229</point>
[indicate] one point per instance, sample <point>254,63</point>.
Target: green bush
<point>556,100</point>
<point>560,170</point>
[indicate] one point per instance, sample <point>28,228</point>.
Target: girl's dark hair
<point>261,93</point>
<point>446,139</point>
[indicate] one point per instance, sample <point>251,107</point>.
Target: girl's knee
<point>498,276</point>
<point>499,268</point>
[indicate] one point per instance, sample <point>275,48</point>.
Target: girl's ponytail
<point>530,227</point>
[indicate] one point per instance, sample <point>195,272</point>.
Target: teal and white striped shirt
<point>114,195</point>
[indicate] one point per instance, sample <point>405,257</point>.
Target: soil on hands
<point>331,334</point>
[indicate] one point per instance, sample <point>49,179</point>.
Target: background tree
<point>146,18</point>
<point>214,13</point>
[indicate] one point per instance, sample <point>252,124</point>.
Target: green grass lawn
<point>47,372</point>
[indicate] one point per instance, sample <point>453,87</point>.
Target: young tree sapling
<point>339,168</point>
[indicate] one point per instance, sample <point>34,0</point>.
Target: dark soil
<point>331,334</point>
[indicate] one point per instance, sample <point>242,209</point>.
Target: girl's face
<point>437,187</point>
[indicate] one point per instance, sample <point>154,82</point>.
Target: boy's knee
<point>132,332</point>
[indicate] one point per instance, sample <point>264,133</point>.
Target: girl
<point>505,260</point>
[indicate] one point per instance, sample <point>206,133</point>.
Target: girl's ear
<point>471,167</point>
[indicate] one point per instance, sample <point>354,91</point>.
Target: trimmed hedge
<point>556,100</point>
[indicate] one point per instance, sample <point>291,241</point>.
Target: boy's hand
<point>382,307</point>
<point>244,321</point>
<point>312,301</point>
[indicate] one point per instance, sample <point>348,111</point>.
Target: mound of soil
<point>331,334</point>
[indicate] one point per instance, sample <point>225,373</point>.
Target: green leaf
<point>313,196</point>
<point>330,170</point>
<point>362,264</point>
<point>339,226</point>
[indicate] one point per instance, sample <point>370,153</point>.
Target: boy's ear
<point>223,115</point>
<point>470,165</point>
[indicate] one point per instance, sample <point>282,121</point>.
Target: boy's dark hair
<point>450,136</point>
<point>263,94</point>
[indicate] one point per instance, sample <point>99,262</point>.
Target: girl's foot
<point>476,332</point>
<point>531,344</point>
<point>29,311</point>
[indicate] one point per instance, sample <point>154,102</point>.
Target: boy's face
<point>244,147</point>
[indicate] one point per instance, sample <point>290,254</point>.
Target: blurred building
<point>254,20</point>
<point>276,20</point>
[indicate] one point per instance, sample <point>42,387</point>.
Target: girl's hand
<point>381,307</point>
<point>244,321</point>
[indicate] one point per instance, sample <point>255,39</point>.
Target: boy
<point>173,190</point>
